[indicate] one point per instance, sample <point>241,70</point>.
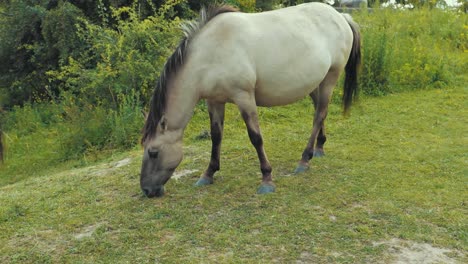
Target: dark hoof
<point>301,168</point>
<point>203,181</point>
<point>266,188</point>
<point>318,153</point>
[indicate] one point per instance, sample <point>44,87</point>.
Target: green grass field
<point>393,183</point>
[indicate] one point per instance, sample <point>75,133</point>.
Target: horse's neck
<point>180,104</point>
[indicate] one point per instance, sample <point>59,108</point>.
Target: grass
<point>396,168</point>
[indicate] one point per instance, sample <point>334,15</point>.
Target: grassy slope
<point>395,169</point>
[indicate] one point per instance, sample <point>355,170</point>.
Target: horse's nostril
<point>159,191</point>
<point>153,192</point>
<point>148,192</point>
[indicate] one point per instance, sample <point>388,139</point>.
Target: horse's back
<point>282,54</point>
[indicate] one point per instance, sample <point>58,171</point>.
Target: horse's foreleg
<point>248,110</point>
<point>216,112</point>
<point>321,138</point>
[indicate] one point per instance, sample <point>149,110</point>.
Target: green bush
<point>119,61</point>
<point>59,29</point>
<point>22,53</point>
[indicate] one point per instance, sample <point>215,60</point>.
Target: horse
<point>265,59</point>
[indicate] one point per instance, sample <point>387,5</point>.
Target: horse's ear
<point>162,125</point>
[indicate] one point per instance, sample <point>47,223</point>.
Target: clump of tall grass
<point>43,135</point>
<point>412,49</point>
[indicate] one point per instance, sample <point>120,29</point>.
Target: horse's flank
<point>174,62</point>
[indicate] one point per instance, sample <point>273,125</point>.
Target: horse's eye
<point>153,153</point>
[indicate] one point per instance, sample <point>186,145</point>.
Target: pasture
<point>392,185</point>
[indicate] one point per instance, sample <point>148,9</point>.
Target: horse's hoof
<point>266,188</point>
<point>319,153</point>
<point>301,168</point>
<point>203,181</point>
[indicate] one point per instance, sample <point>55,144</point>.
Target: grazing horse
<point>266,59</point>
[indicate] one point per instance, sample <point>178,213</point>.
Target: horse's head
<point>163,153</point>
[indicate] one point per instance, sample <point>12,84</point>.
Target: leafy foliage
<point>37,38</point>
<point>21,52</point>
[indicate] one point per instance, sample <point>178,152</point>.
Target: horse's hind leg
<point>321,98</point>
<point>248,109</point>
<point>216,112</point>
<point>321,138</point>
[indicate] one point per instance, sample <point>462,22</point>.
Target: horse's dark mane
<point>173,63</point>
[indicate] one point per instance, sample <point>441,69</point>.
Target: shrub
<point>21,53</point>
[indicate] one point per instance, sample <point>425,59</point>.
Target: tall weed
<point>374,76</point>
<point>126,122</point>
<point>411,49</point>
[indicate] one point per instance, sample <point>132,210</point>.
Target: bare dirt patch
<point>87,231</point>
<point>122,163</point>
<point>408,252</point>
<point>106,168</point>
<point>179,174</point>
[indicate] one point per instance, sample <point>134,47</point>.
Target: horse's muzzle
<point>158,191</point>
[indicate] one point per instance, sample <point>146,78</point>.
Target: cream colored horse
<point>265,59</point>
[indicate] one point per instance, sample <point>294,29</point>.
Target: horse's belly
<point>287,87</point>
<point>270,100</point>
<point>276,96</point>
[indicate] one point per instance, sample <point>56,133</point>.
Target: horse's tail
<point>350,89</point>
